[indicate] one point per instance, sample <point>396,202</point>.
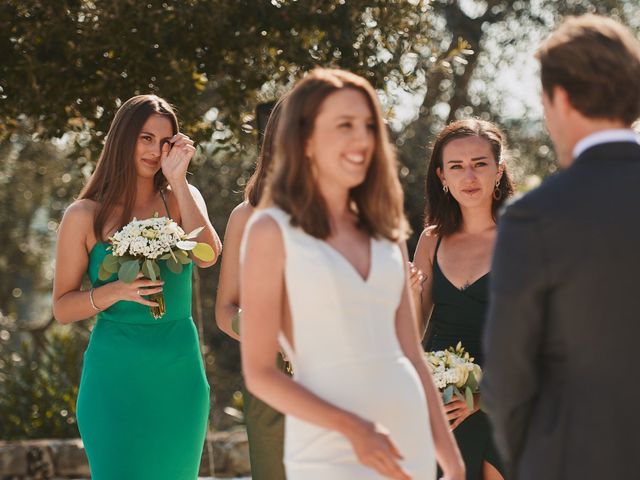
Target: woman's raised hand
<point>176,155</point>
<point>374,448</point>
<point>416,279</point>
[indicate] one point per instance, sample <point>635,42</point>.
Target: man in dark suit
<point>562,341</point>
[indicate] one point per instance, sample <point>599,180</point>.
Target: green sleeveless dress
<point>459,316</point>
<point>143,403</point>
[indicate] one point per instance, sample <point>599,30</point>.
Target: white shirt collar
<point>605,136</point>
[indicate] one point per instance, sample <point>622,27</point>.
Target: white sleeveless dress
<point>347,352</point>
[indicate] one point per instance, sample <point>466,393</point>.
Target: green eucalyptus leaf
<point>472,382</point>
<point>469,398</point>
<point>103,274</point>
<point>447,394</point>
<point>166,256</point>
<point>148,271</point>
<point>458,394</point>
<point>111,263</point>
<point>129,271</point>
<point>174,266</point>
<point>204,252</point>
<point>183,259</point>
<point>156,268</point>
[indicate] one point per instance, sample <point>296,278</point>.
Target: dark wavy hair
<point>442,211</point>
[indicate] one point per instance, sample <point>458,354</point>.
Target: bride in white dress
<point>324,278</point>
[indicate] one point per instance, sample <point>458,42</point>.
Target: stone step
<point>60,459</point>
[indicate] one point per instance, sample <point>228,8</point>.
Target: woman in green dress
<point>144,399</point>
<point>467,182</point>
<point>265,425</point>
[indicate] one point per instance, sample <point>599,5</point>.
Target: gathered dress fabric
<point>345,350</point>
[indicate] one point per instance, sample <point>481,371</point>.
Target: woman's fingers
<point>146,283</point>
<point>456,423</point>
<point>148,291</point>
<point>180,139</point>
<point>394,449</point>
<point>454,404</point>
<point>143,301</point>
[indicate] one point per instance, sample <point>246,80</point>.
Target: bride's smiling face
<point>342,143</point>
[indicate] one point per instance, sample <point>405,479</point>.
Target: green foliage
<point>39,387</point>
<point>78,60</point>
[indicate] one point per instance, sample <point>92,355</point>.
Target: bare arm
<point>422,260</point>
<point>228,296</point>
<point>70,304</point>
<point>262,274</point>
<point>447,451</point>
<point>193,209</point>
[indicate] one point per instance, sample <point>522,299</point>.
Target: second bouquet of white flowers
<point>140,244</point>
<point>454,373</point>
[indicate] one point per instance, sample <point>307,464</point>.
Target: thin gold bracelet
<point>93,303</point>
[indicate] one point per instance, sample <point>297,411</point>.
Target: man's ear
<point>561,100</point>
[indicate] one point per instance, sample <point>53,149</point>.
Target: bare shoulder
<point>240,215</point>
<point>426,246</point>
<point>81,212</point>
<point>77,222</point>
<point>265,229</point>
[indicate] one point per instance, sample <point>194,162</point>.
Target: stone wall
<point>48,459</point>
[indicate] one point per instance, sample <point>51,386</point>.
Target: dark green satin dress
<point>459,316</point>
<point>265,430</point>
<point>143,403</point>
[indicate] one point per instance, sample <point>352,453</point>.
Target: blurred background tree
<point>68,65</point>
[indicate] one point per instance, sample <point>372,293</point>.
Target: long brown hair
<point>442,210</point>
<point>256,184</point>
<point>377,201</point>
<point>114,180</point>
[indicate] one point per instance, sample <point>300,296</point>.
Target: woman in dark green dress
<point>143,401</point>
<point>466,183</point>
<point>265,426</point>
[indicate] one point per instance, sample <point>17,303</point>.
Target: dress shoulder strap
<point>435,252</point>
<point>166,207</point>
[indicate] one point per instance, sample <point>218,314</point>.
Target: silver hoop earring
<point>445,189</point>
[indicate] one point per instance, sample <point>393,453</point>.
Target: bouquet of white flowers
<point>454,373</point>
<point>140,244</point>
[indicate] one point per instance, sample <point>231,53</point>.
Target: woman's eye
<point>345,125</point>
<point>481,164</point>
<point>456,167</point>
<point>371,126</point>
<point>146,138</point>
